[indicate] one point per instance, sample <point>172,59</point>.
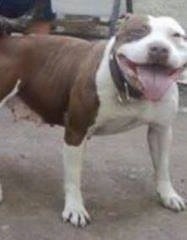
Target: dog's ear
<point>122,20</point>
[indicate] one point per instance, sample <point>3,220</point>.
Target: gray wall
<point>175,8</point>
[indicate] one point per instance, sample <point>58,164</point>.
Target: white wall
<point>88,7</point>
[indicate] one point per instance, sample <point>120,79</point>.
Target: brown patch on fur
<point>83,99</point>
<point>41,27</point>
<point>131,29</point>
<point>9,67</point>
<point>57,78</point>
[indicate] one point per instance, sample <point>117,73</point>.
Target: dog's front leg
<point>159,139</point>
<point>74,210</point>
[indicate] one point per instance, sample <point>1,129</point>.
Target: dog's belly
<point>113,126</point>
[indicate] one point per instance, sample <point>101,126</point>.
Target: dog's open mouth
<point>154,79</point>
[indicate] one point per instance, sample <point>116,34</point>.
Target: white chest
<point>115,117</point>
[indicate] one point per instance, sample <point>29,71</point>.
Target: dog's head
<point>151,52</point>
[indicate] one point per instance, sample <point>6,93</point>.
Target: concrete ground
<point>118,185</point>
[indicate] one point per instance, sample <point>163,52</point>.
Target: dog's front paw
<point>170,199</point>
<point>76,215</point>
<point>173,202</point>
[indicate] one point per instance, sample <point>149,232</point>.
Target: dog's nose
<point>158,53</point>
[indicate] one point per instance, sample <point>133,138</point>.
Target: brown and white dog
<point>101,87</point>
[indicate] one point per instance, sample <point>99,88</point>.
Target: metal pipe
<point>129,6</point>
<point>114,16</point>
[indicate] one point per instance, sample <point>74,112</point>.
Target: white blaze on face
<point>163,31</point>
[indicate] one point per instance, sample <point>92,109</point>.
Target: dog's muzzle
<point>155,76</point>
<point>158,54</point>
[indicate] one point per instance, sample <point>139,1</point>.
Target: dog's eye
<point>177,35</point>
<point>136,34</point>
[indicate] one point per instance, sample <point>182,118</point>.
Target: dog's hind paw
<point>78,216</point>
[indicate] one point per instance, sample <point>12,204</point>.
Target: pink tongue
<point>155,80</point>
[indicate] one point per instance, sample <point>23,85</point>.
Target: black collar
<point>126,91</point>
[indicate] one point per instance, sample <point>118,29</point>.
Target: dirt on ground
<point>118,183</point>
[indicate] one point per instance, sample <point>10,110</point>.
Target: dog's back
<point>48,67</point>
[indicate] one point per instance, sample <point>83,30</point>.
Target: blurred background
<point>175,8</point>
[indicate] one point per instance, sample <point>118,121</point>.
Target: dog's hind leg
<point>3,101</point>
<point>159,139</point>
